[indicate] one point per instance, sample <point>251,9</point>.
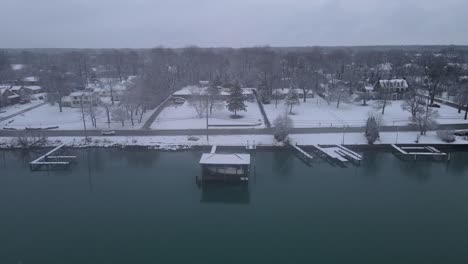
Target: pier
<point>337,154</point>
<point>303,155</point>
<point>52,160</point>
<point>420,153</point>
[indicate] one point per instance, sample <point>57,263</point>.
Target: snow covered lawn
<point>185,117</point>
<point>317,113</point>
<point>13,109</point>
<point>70,119</point>
<point>175,142</point>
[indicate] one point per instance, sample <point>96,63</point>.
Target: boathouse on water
<point>224,167</point>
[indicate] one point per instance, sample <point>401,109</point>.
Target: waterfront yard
<point>316,112</point>
<point>69,119</point>
<point>185,116</point>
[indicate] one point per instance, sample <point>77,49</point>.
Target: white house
<point>75,99</point>
<point>395,88</point>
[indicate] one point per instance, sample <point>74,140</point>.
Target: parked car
<point>434,105</point>
<point>108,132</point>
<point>461,133</point>
<point>178,100</point>
<point>24,101</point>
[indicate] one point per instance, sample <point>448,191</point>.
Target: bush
<point>372,130</point>
<point>446,135</point>
<point>282,126</point>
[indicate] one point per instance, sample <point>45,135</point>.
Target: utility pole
<point>207,104</point>
<point>83,117</point>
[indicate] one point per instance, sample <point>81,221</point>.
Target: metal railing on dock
<point>420,152</point>
<point>52,161</point>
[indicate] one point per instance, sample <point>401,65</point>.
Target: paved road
<point>21,112</point>
<point>200,132</point>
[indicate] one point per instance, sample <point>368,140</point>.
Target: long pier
<point>306,157</point>
<point>52,161</point>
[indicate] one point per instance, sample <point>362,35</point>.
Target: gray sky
<point>234,23</point>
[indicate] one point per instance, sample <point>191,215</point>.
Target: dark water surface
<point>119,206</point>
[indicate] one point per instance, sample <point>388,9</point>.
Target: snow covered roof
<point>33,87</point>
<point>31,79</point>
<point>385,66</point>
<point>394,83</point>
<point>17,67</point>
<point>81,93</point>
<point>66,99</point>
<point>225,159</point>
<point>286,91</point>
<point>16,88</point>
<point>13,96</point>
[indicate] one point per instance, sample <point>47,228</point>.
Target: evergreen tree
<point>372,130</point>
<point>292,99</point>
<point>235,101</point>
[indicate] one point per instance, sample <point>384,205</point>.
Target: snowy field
<point>13,109</point>
<point>185,117</point>
<point>178,142</point>
<point>317,113</point>
<point>70,119</point>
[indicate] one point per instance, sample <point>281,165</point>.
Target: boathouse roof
<point>225,159</point>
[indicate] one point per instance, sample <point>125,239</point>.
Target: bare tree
<point>413,104</point>
<point>434,77</point>
<point>93,112</point>
<point>199,101</point>
<point>292,99</point>
<point>119,114</point>
<point>426,120</point>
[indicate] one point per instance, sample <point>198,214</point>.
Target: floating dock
<point>338,154</point>
<point>301,154</point>
<point>52,161</point>
<point>420,153</point>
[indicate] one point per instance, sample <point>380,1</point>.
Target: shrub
<point>282,126</point>
<point>372,130</point>
<point>446,135</point>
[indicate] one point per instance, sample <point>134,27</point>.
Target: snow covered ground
<point>185,117</point>
<point>70,119</point>
<point>13,109</point>
<point>317,113</point>
<point>180,142</point>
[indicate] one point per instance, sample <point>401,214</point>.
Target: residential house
<point>283,92</point>
<point>32,80</point>
<point>394,88</point>
<point>85,98</point>
<point>8,97</point>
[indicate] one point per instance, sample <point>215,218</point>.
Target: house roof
<point>225,159</point>
<point>16,88</point>
<point>33,87</point>
<point>394,83</point>
<point>31,79</point>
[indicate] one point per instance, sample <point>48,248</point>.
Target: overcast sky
<point>229,23</point>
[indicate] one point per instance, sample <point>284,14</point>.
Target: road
<point>200,132</point>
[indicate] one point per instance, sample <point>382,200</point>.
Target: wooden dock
<point>420,152</point>
<point>303,155</point>
<point>338,154</point>
<point>52,161</point>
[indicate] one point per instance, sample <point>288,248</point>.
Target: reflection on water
<point>131,206</point>
<point>225,193</point>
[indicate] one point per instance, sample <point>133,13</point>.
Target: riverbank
<point>187,142</point>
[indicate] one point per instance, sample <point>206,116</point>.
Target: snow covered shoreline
<point>188,142</point>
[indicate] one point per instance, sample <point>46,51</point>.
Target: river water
<point>127,206</point>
